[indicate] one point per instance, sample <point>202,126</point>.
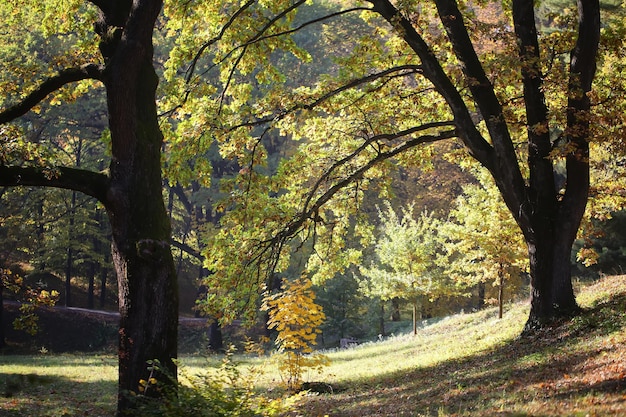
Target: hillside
<point>475,365</point>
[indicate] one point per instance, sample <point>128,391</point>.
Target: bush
<point>213,393</point>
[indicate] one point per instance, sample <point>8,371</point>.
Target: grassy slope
<point>466,365</point>
<point>474,365</point>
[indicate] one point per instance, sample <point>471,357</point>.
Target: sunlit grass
<point>58,385</point>
<point>475,365</point>
<point>452,338</point>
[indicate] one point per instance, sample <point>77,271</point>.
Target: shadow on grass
<point>27,395</point>
<point>544,373</point>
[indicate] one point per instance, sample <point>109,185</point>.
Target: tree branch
<point>187,249</point>
<point>258,37</point>
<point>382,156</point>
<point>500,158</point>
<point>478,147</point>
<point>52,84</point>
<point>478,82</point>
<point>271,249</point>
<point>312,22</point>
<point>409,68</point>
<point>200,52</point>
<point>365,145</point>
<point>537,128</point>
<point>90,183</point>
<point>180,192</point>
<point>582,72</point>
<point>252,40</point>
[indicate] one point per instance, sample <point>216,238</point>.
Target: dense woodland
<point>409,159</point>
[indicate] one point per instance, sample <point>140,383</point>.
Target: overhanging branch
<point>244,45</point>
<point>187,249</point>
<point>52,84</point>
<point>383,156</point>
<point>478,147</point>
<point>90,183</point>
<point>260,36</point>
<point>365,145</point>
<point>270,250</point>
<point>205,46</point>
<point>389,72</point>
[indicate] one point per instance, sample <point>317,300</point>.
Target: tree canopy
<point>516,94</point>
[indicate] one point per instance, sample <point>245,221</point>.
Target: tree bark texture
<point>548,220</point>
<point>148,298</point>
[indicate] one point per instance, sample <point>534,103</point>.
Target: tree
<point>344,307</point>
<point>406,260</point>
<point>131,189</point>
<point>481,251</point>
<point>296,318</point>
<point>429,71</point>
<point>548,220</point>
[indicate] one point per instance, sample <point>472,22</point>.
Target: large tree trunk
<point>556,219</point>
<point>148,298</point>
<point>552,294</point>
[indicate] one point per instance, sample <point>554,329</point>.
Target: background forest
<point>425,236</point>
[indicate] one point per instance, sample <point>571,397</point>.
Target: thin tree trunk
<point>414,317</point>
<point>381,320</point>
<point>90,289</point>
<point>500,292</point>
<point>70,252</point>
<point>395,309</point>
<point>69,261</point>
<point>103,286</point>
<point>480,303</point>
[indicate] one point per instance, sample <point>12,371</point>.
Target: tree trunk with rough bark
<point>131,192</point>
<point>148,299</point>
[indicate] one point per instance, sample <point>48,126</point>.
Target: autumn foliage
<point>296,317</point>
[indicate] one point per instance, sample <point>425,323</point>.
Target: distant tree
<point>483,242</point>
<point>406,260</point>
<point>343,305</point>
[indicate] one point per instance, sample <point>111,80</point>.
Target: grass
<point>474,365</point>
<point>465,365</point>
<point>57,385</point>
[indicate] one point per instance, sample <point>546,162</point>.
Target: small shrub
<point>296,317</point>
<point>222,392</point>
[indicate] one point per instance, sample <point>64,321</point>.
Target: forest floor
<point>465,365</point>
